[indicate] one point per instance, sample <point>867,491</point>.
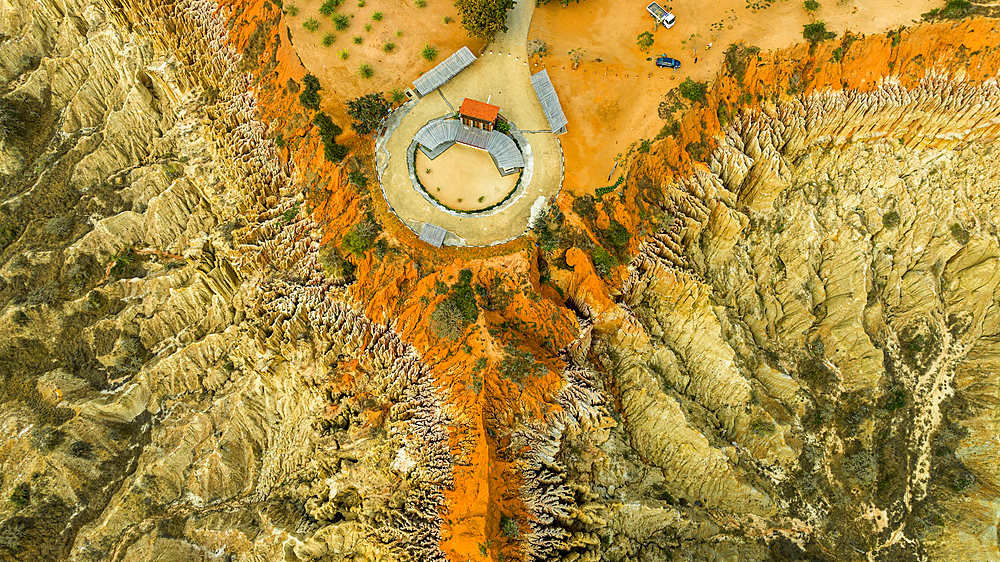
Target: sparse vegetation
<point>483,19</point>
<point>341,22</point>
<point>420,3</point>
<point>448,19</point>
<point>368,27</point>
<point>377,16</point>
<point>311,24</point>
<point>645,41</point>
<point>960,234</point>
<point>289,215</point>
<point>429,53</point>
<point>361,3</point>
<point>954,9</point>
<point>604,262</point>
<point>292,10</point>
<point>816,32</point>
<point>358,179</point>
<point>21,495</point>
<point>397,96</point>
<point>811,5</point>
<point>329,39</point>
<point>388,47</point>
<point>343,54</point>
<point>366,70</point>
<point>357,40</point>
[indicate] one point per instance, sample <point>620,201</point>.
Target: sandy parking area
<point>464,178</point>
<point>611,100</point>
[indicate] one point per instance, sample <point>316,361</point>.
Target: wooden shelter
<point>478,114</point>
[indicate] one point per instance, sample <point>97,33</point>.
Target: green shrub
<point>361,3</point>
<point>366,70</point>
<point>960,234</point>
<point>340,21</point>
<point>811,5</point>
<point>21,495</point>
<point>890,219</point>
<point>448,19</point>
<point>289,215</point>
<point>312,24</point>
<point>328,7</point>
<point>816,32</point>
<point>329,39</point>
<point>377,16</point>
<point>361,236</point>
<point>342,54</point>
<point>368,27</point>
<point>328,132</point>
<point>604,263</point>
<point>388,47</point>
<point>509,527</point>
<point>694,91</point>
<point>458,310</point>
<point>397,95</point>
<point>367,112</point>
<point>644,146</point>
<point>357,40</point>
<point>420,3</point>
<point>429,53</point>
<point>358,179</point>
<point>292,10</point>
<point>645,41</point>
<point>617,235</point>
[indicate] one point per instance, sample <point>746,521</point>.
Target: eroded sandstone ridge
<point>785,351</point>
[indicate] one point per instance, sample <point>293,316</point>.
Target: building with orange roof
<point>478,114</point>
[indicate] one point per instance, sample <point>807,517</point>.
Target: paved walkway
<point>503,79</point>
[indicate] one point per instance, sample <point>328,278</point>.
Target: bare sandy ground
<point>611,100</point>
<point>464,178</point>
<point>397,69</point>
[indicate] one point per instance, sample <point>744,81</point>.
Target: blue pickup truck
<point>663,61</point>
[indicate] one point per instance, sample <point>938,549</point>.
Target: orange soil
<point>400,288</point>
<point>611,100</point>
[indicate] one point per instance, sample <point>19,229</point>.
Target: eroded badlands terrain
<point>776,339</point>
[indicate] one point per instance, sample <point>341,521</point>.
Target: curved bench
<point>437,136</point>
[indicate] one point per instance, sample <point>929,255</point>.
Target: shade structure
<point>550,102</point>
<point>446,70</point>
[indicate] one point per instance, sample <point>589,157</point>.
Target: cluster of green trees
<point>483,19</point>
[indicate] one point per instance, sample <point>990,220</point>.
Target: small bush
<point>644,147</point>
<point>377,16</point>
<point>388,47</point>
<point>311,24</point>
<point>811,5</point>
<point>329,39</point>
<point>397,95</point>
<point>340,21</point>
<point>357,40</point>
<point>429,53</point>
<point>310,98</point>
<point>342,54</point>
<point>645,41</point>
<point>361,3</point>
<point>22,495</point>
<point>604,263</point>
<point>694,91</point>
<point>509,527</point>
<point>358,179</point>
<point>368,27</point>
<point>816,32</point>
<point>328,7</point>
<point>448,19</point>
<point>420,3</point>
<point>292,10</point>
<point>366,70</point>
<point>890,219</point>
<point>954,9</point>
<point>960,234</point>
<point>399,33</point>
<point>361,237</point>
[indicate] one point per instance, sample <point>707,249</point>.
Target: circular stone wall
<point>464,178</point>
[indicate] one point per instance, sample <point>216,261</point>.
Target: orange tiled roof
<point>479,110</point>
